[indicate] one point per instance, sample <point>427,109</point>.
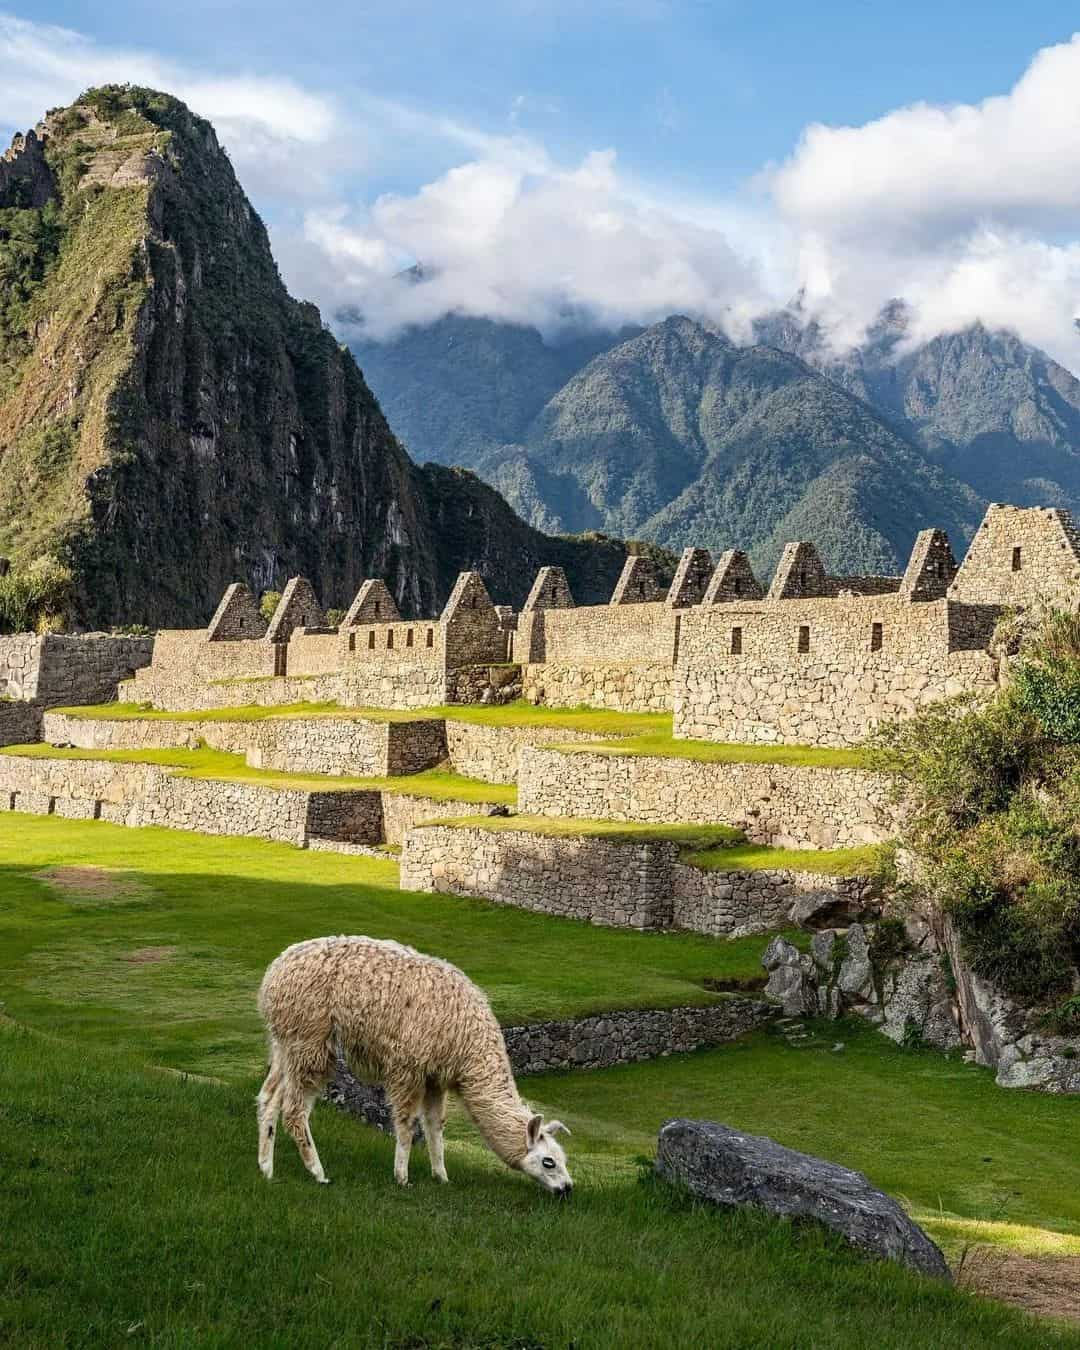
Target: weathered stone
<point>729,1167</point>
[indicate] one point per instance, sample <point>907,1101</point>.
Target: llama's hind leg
<point>434,1119</point>
<point>296,1104</point>
<point>405,1106</point>
<point>269,1106</point>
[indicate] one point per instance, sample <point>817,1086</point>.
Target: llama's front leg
<point>405,1110</point>
<point>434,1119</point>
<point>268,1108</point>
<point>296,1112</point>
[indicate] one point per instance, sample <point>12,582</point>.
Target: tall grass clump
<point>35,599</point>
<point>995,825</point>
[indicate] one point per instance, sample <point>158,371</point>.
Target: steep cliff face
<point>170,418</point>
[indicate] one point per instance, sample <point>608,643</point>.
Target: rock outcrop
<point>171,420</point>
<point>728,1167</point>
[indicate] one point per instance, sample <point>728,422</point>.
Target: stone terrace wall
<point>598,1042</point>
<point>147,794</point>
<point>346,746</point>
<point>597,880</point>
<point>613,883</point>
<point>492,753</point>
<point>20,723</point>
<point>402,811</point>
<point>631,1036</point>
<point>622,688</point>
<point>786,805</point>
<point>742,676</point>
<point>642,633</point>
<point>334,745</point>
<point>732,904</point>
<point>402,689</point>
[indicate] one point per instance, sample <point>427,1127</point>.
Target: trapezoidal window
<point>1016,559</point>
<point>408,637</point>
<point>389,638</point>
<point>371,640</point>
<point>352,642</point>
<point>736,642</point>
<point>376,609</point>
<point>430,637</point>
<point>804,637</point>
<point>876,637</point>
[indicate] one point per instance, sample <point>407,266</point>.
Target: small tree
<point>269,603</point>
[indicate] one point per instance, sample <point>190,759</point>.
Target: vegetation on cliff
<point>996,825</point>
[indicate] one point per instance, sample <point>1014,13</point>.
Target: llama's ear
<point>532,1130</point>
<point>554,1126</point>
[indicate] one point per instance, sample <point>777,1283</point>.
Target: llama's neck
<point>491,1098</point>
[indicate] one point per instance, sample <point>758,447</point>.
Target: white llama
<point>413,1023</point>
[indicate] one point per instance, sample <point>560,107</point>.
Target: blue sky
<point>624,159</point>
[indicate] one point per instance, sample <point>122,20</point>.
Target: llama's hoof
<point>323,1181</point>
<point>442,1178</point>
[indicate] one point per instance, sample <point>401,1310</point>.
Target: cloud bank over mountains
<point>968,212</point>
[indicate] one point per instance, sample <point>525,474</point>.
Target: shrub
<point>35,599</point>
<point>268,604</point>
<point>995,790</point>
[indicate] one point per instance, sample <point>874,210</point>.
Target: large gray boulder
<point>729,1167</point>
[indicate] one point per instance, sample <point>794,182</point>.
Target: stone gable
<point>236,617</point>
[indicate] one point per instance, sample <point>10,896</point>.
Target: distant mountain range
<point>675,434</point>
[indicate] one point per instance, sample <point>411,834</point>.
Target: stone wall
<point>341,745</point>
<point>401,811</point>
<point>621,687</point>
<point>20,723</point>
<point>54,669</point>
<point>786,805</point>
<point>1021,556</point>
<point>145,733</point>
<point>611,882</point>
<point>597,880</point>
<point>639,633</point>
<point>402,688</point>
<point>823,671</point>
<point>492,753</point>
<point>732,904</point>
<point>627,1036</point>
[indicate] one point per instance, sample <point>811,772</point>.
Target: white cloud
<point>969,212</point>
<point>537,245</point>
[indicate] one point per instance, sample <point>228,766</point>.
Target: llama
<point>411,1022</point>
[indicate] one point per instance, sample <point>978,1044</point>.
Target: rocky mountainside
<point>171,419</point>
<point>674,434</point>
<point>986,406</point>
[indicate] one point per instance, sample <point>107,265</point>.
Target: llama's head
<point>544,1159</point>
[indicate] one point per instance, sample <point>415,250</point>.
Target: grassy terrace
<point>711,847</point>
<point>662,745</point>
<point>133,1208</point>
<point>161,937</point>
<point>595,721</point>
<point>437,784</point>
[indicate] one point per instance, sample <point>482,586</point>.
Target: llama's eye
<point>549,1163</point>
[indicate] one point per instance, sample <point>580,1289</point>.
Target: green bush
<point>995,790</point>
<point>35,599</point>
<point>268,603</point>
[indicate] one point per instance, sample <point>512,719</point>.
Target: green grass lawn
<point>166,947</point>
<point>863,860</point>
<point>437,784</point>
<point>662,744</point>
<point>134,1213</point>
<point>132,1208</point>
<point>596,721</point>
<point>695,837</point>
